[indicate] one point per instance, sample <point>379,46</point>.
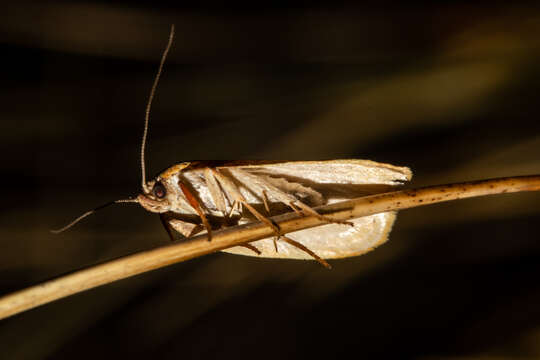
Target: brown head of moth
<point>198,196</point>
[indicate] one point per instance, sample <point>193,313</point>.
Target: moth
<point>203,196</point>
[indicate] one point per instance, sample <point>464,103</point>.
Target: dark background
<point>451,90</point>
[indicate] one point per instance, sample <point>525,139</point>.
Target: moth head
<point>155,196</point>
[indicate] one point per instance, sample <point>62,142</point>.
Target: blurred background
<point>450,90</point>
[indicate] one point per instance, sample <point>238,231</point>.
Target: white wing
<point>350,171</point>
<point>336,180</point>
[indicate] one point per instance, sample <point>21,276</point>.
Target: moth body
<point>231,193</point>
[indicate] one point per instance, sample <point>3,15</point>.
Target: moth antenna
<point>149,105</point>
<point>91,212</point>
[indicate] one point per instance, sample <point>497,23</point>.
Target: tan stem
<point>196,246</point>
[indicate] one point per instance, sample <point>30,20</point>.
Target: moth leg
<point>196,205</point>
<point>296,210</point>
<point>189,229</point>
<point>281,196</point>
<point>305,249</point>
<point>308,209</point>
<point>265,200</point>
<point>252,248</point>
<point>284,197</point>
<point>234,205</point>
<point>261,217</point>
<point>291,241</point>
<point>231,188</point>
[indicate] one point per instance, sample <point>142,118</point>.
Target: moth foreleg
<point>197,207</point>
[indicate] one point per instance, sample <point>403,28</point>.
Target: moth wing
<point>344,171</point>
<point>335,180</point>
<point>330,241</point>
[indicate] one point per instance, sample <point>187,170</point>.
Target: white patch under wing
<point>329,241</point>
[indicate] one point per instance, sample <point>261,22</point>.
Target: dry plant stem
<point>199,245</point>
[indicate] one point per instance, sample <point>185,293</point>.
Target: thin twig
<point>199,245</point>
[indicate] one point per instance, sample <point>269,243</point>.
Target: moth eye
<point>159,191</point>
